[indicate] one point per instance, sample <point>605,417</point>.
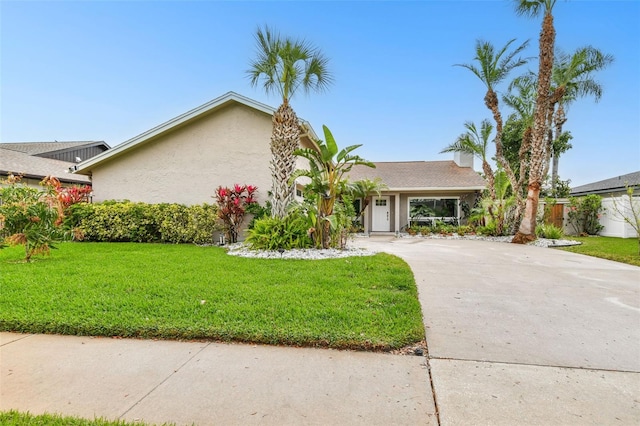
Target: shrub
<point>29,216</point>
<point>549,231</point>
<point>140,222</point>
<point>584,214</point>
<point>463,230</point>
<point>232,206</point>
<point>273,233</point>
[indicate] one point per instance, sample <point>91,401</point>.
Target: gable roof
<point>30,166</point>
<point>84,167</point>
<point>615,184</point>
<point>41,148</point>
<point>421,175</point>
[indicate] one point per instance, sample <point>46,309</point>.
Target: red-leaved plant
<point>232,207</point>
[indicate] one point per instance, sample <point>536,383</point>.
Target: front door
<point>380,220</point>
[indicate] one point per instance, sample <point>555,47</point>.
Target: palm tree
<point>572,78</point>
<point>476,143</point>
<point>364,189</point>
<point>533,8</point>
<point>521,98</point>
<point>327,167</point>
<point>492,68</point>
<point>283,66</point>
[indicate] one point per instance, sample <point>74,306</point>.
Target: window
<point>381,203</point>
<point>423,208</point>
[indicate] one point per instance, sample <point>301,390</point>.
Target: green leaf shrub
<point>140,222</point>
<point>272,233</point>
<point>549,231</point>
<point>584,214</point>
<point>29,216</point>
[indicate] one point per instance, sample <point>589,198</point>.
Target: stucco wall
<point>186,165</point>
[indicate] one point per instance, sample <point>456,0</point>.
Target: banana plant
<point>327,167</point>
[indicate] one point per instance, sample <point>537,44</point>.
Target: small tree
<point>232,207</point>
<point>628,209</point>
<point>30,216</point>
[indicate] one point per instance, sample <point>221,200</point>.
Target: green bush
<point>274,233</point>
<point>549,231</point>
<point>140,222</point>
<point>584,214</point>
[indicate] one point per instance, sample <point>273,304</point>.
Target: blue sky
<point>111,70</point>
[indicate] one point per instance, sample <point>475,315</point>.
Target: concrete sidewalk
<point>211,383</point>
<point>516,334</point>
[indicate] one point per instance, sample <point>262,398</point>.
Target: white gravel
<point>239,249</point>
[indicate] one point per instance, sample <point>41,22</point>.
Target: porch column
<point>396,219</point>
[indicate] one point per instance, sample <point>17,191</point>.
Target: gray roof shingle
<point>35,148</point>
<point>414,175</point>
<point>614,184</point>
<point>31,166</point>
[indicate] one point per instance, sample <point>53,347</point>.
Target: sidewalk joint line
<point>433,389</point>
<point>25,336</point>
<point>164,380</point>
<point>534,365</point>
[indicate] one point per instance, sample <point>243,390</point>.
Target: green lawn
<point>619,249</point>
<point>23,419</point>
<point>191,292</point>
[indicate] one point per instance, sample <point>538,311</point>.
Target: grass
<point>190,292</point>
<point>17,418</point>
<point>623,250</point>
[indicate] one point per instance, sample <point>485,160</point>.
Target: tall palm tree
<point>572,78</point>
<point>283,66</point>
<point>539,147</point>
<point>521,98</point>
<point>492,67</point>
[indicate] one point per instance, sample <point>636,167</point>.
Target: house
<point>35,160</point>
<point>223,142</point>
<point>420,192</point>
<point>613,193</point>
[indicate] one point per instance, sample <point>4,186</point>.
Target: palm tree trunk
<point>559,119</point>
<point>285,139</point>
<point>527,230</point>
<point>491,101</point>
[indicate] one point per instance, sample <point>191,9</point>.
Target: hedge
<point>126,221</point>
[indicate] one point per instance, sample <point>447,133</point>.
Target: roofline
<point>436,188</point>
<point>72,148</point>
<point>40,177</point>
<point>603,191</point>
<point>176,121</point>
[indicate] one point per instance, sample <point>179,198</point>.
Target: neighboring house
<point>420,192</point>
<point>613,189</point>
<point>35,160</point>
<point>223,142</point>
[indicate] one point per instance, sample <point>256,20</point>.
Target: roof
<point>614,184</point>
<point>31,166</point>
<point>421,175</point>
<point>84,167</point>
<point>36,148</point>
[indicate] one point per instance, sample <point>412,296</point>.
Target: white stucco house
<point>614,190</point>
<point>223,142</point>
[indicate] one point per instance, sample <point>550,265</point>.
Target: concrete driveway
<point>526,335</point>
